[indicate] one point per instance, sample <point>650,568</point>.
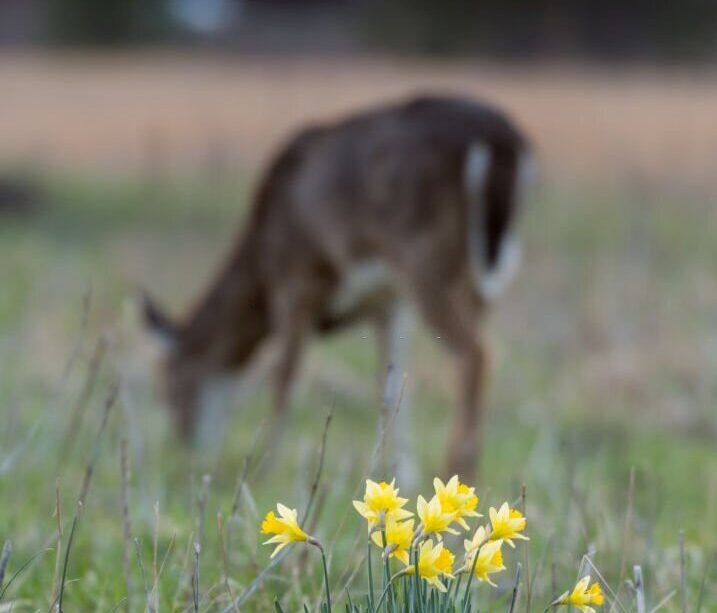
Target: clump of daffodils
<point>445,513</point>
<point>425,571</point>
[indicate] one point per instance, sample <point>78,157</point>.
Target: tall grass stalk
<point>639,589</point>
<point>4,559</point>
<point>58,545</point>
<point>126,522</point>
<point>143,574</point>
<point>225,562</point>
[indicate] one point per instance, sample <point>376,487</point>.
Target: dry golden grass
<point>128,111</point>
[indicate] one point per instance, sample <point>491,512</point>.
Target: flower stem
<point>316,544</point>
<point>386,590</point>
<point>387,564</point>
<point>466,594</point>
<point>459,579</point>
<point>370,577</point>
<point>417,580</point>
<point>418,535</point>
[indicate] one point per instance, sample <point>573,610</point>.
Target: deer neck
<point>231,320</point>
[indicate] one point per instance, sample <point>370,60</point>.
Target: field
<point>604,349</point>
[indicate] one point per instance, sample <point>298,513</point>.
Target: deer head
<point>199,355</point>
<point>181,377</point>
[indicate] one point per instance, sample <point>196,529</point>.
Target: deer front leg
<point>394,334</point>
<point>285,374</point>
<point>291,328</point>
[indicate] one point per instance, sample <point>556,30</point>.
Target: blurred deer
<point>409,204</point>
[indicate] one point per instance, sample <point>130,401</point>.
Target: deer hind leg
<point>394,332</point>
<point>465,443</point>
<point>454,318</point>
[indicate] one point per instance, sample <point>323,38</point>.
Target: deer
<point>411,205</point>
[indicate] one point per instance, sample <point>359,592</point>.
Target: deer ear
<point>157,322</point>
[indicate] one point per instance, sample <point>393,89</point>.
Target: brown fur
<point>385,185</point>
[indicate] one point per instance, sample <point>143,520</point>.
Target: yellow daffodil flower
<point>507,524</point>
<point>398,538</point>
<point>481,537</point>
<point>583,596</point>
<point>381,500</point>
<point>285,528</point>
<point>434,519</point>
<point>490,557</point>
<point>457,498</point>
<point>434,561</point>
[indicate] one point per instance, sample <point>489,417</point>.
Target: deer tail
<point>493,197</point>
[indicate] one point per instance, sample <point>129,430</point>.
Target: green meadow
<point>601,404</point>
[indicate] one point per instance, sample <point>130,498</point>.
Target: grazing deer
<point>415,202</point>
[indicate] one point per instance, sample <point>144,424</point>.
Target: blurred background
<point>131,133</point>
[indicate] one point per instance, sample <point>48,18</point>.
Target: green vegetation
<point>604,361</point>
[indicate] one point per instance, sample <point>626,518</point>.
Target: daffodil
<point>434,562</point>
<point>583,595</point>
<point>434,519</point>
<point>398,538</point>
<point>381,500</point>
<point>457,498</point>
<point>285,528</point>
<point>490,557</point>
<point>507,524</point>
<point>480,538</point>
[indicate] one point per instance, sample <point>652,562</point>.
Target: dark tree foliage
<point>602,29</point>
<point>607,29</point>
<point>106,22</point>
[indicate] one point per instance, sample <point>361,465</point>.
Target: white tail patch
<point>491,281</point>
<point>477,165</point>
<point>495,280</point>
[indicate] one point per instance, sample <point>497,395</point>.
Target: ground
<point>603,351</point>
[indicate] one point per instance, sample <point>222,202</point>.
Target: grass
<point>604,363</point>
